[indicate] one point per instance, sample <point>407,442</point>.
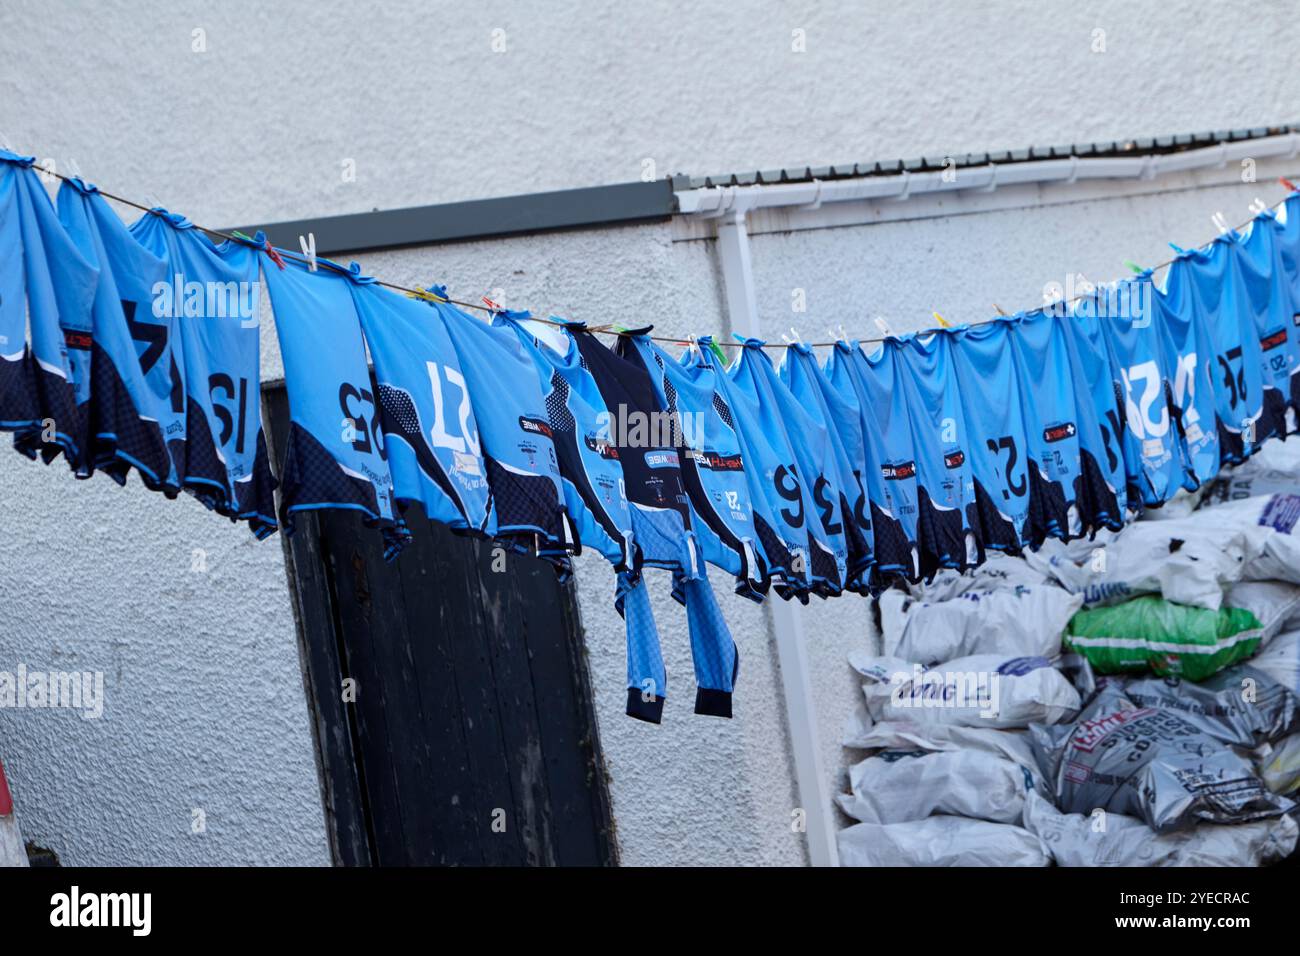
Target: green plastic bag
<point>1170,639</point>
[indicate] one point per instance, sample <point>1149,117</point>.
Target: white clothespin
<point>1258,206</point>
<point>74,169</point>
<point>1220,222</point>
<point>152,201</point>
<point>883,326</point>
<point>788,340</point>
<point>308,245</point>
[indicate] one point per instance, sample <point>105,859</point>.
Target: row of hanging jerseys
<point>137,349</point>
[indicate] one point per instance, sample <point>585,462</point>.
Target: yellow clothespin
<point>943,323</point>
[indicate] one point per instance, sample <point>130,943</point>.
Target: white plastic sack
<point>895,786</point>
<point>1019,621</point>
<point>1074,839</point>
<point>999,572</point>
<point>1280,660</point>
<point>982,690</point>
<point>940,841</point>
<point>1169,558</point>
<point>1275,603</point>
<point>1012,745</point>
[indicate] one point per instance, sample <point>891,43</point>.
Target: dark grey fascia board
<point>590,206</point>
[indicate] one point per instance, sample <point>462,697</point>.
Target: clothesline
<point>604,329</point>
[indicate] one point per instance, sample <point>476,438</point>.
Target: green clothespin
<point>716,349</point>
<point>1137,269</point>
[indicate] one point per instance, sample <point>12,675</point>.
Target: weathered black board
<point>472,739</point>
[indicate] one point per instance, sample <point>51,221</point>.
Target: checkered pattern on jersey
<point>313,477</point>
<point>646,675</point>
<point>256,497</point>
<point>120,438</point>
<point>205,473</point>
<point>712,649</point>
<point>557,405</point>
<point>17,392</point>
<point>55,402</point>
<point>526,504</point>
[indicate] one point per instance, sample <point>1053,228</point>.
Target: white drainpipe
<point>787,622</point>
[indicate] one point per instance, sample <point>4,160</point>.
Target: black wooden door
<point>450,696</point>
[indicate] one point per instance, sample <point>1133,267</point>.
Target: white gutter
<point>787,624</point>
<point>715,201</point>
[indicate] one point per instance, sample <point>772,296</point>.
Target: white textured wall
<point>256,127</point>
<point>205,707</point>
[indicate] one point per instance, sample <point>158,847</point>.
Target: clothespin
<point>1177,248</point>
<point>261,242</point>
<point>1258,206</point>
<point>716,349</point>
<point>74,170</point>
<point>883,326</point>
<point>1220,223</point>
<point>1134,267</point>
<point>152,202</point>
<point>999,309</point>
<point>425,295</point>
<point>943,323</point>
<point>1288,184</point>
<point>307,244</point>
<point>492,305</point>
<point>791,341</point>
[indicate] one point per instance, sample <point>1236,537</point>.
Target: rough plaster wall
<point>255,128</point>
<point>203,700</point>
<point>957,266</point>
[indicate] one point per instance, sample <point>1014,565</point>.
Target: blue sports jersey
<point>1272,248</point>
<point>18,407</point>
<point>1191,354</point>
<point>1236,361</point>
<point>125,414</point>
<point>805,474</point>
<point>590,469</point>
<point>425,412</point>
<point>211,293</point>
<point>887,402</point>
<point>1102,489</point>
<point>1051,425</point>
<point>334,455</point>
<point>641,428</point>
<point>801,374</point>
<point>987,382</point>
<point>1142,369</point>
<point>523,470</point>
<point>1258,283</point>
<point>945,482</point>
<point>713,464</point>
<point>782,543</point>
<point>52,301</point>
<point>889,469</point>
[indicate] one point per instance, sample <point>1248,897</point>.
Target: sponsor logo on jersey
<point>76,340</point>
<point>1060,432</point>
<point>715,461</point>
<point>898,472</point>
<point>601,446</point>
<point>534,426</point>
<point>661,458</point>
<point>1273,340</point>
<point>954,459</point>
